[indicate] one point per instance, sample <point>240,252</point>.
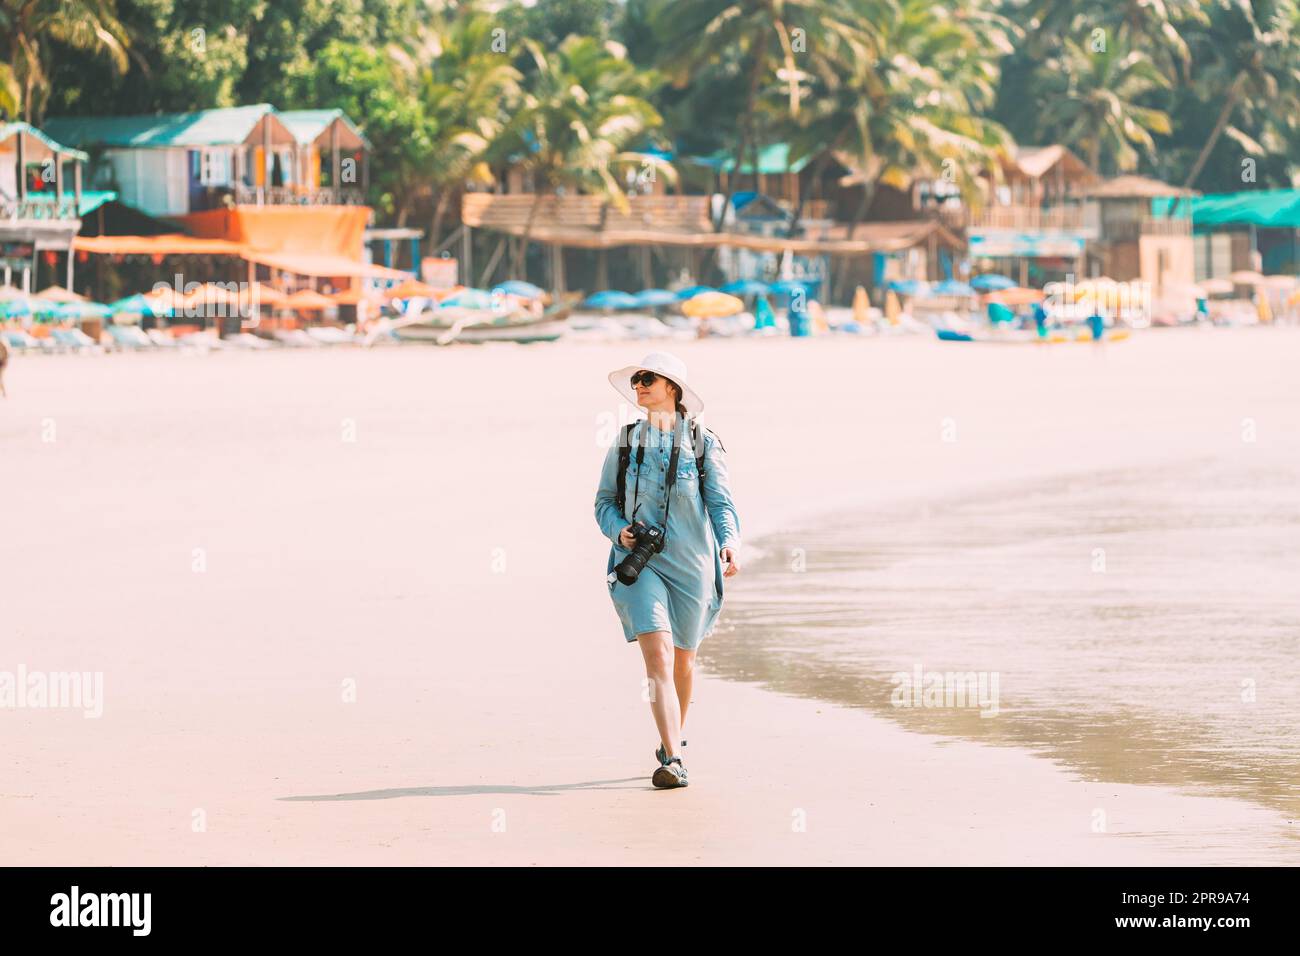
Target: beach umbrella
<point>691,291</point>
<point>791,286</point>
<point>267,297</point>
<point>745,287</point>
<point>1283,283</point>
<point>1246,277</point>
<point>308,300</point>
<point>655,298</point>
<point>861,306</point>
<point>909,287</point>
<point>210,293</point>
<point>712,305</point>
<point>56,293</point>
<point>355,296</point>
<point>411,289</point>
<point>525,290</point>
<point>15,308</point>
<point>8,294</point>
<point>953,287</point>
<point>612,299</point>
<point>81,310</point>
<point>991,281</point>
<point>132,305</point>
<point>1016,296</point>
<point>1216,287</point>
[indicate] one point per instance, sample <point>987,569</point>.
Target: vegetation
<point>580,92</point>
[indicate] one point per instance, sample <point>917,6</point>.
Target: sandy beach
<point>337,621</point>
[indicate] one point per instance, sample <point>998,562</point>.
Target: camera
<point>648,541</point>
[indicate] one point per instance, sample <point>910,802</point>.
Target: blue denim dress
<point>680,588</point>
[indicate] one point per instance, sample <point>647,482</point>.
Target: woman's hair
<point>677,390</point>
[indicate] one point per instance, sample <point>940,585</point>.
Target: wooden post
<point>22,171</point>
<point>602,270</point>
<point>466,256</point>
<point>334,150</point>
<point>266,158</point>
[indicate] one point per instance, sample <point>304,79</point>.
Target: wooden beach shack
<point>41,202</point>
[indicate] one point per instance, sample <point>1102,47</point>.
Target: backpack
<point>625,456</point>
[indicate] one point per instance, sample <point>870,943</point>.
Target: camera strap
<point>672,471</point>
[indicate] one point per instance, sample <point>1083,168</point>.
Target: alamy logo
<point>922,688</point>
<point>53,689</point>
<point>102,909</point>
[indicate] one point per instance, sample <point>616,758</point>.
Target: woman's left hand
<point>728,556</point>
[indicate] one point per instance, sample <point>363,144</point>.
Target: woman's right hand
<point>625,538</point>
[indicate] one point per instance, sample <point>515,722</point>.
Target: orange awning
<point>171,244</point>
<point>321,264</point>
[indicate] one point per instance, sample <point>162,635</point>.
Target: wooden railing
<point>1127,230</point>
<point>298,195</point>
<point>512,212</point>
<point>1031,218</point>
<point>47,209</point>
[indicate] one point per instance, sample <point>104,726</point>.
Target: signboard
<point>439,272</point>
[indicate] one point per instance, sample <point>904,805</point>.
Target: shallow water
<point>1143,626</point>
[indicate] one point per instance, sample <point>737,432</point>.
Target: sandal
<point>661,756</point>
<point>671,774</point>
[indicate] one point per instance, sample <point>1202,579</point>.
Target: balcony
<point>1130,230</point>
<point>1066,218</point>
<point>297,195</point>
<point>512,212</point>
<point>39,207</point>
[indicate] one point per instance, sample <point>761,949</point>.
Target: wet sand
<point>340,620</point>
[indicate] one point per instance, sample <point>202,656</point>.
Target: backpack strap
<point>698,443</point>
<point>624,456</point>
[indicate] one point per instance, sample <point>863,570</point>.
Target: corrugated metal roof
<point>219,127</point>
<point>309,125</point>
<point>10,130</point>
<point>772,160</point>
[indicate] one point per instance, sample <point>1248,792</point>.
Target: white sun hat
<point>667,365</point>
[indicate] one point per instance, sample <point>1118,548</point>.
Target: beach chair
<point>159,338</point>
<point>121,340</point>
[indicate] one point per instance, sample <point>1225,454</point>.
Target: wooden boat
<point>456,324</point>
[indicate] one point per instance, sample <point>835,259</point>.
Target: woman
<point>674,602</point>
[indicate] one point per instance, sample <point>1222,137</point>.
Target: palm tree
<point>1250,53</point>
<point>1093,101</point>
<point>915,110</point>
<point>762,37</point>
<point>584,107</point>
<point>28,26</point>
<point>468,91</point>
<point>1161,27</point>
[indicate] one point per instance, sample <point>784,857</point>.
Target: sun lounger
<point>160,338</point>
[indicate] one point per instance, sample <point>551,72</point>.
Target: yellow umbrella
<point>712,305</point>
<point>860,306</point>
<point>1265,310</point>
<point>818,316</point>
<point>892,309</point>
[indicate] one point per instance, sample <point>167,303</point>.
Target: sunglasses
<point>646,378</point>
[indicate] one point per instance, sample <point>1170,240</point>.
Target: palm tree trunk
<point>439,211</point>
<point>746,130</point>
<point>1229,104</point>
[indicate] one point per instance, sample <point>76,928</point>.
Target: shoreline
<point>509,694</point>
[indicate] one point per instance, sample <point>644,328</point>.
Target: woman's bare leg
<point>657,649</point>
<point>683,677</point>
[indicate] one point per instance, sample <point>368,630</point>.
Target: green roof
<point>1269,208</point>
<point>219,127</point>
<point>772,160</point>
<point>9,130</point>
<point>307,125</point>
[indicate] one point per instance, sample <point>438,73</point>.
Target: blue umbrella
<point>953,287</point>
<point>654,298</point>
<point>991,282</point>
<point>745,287</point>
<point>520,288</point>
<point>909,287</point>
<point>612,299</point>
<point>693,291</point>
<point>81,310</point>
